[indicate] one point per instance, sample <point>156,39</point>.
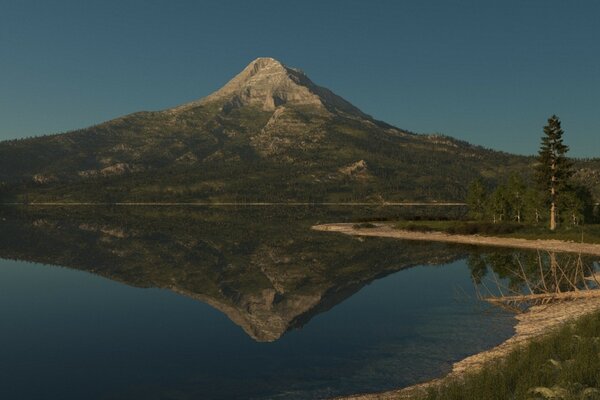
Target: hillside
<point>270,134</point>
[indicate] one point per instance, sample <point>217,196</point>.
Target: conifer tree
<point>554,168</point>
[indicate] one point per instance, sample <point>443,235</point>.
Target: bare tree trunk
<point>554,269</point>
<point>553,198</point>
<point>553,215</point>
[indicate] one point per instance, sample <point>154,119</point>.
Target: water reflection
<point>265,269</point>
<point>370,321</point>
<point>518,280</point>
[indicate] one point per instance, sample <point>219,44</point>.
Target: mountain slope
<point>270,134</point>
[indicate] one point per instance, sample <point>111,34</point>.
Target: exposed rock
<point>269,84</point>
<point>284,132</point>
<point>107,230</point>
<point>357,170</point>
<point>115,169</point>
<point>43,178</point>
<point>122,147</point>
<point>187,158</point>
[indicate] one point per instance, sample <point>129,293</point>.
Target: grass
<point>364,225</point>
<point>586,233</point>
<point>564,364</point>
<point>589,233</point>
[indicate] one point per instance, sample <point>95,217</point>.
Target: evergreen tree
<point>553,169</point>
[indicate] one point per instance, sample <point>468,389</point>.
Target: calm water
<point>212,306</point>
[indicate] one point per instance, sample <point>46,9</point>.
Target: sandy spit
<point>386,230</point>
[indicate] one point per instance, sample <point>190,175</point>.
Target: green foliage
<point>460,227</point>
<point>553,169</point>
<point>588,233</point>
<point>565,364</point>
<point>209,154</point>
<point>476,199</point>
<point>517,200</point>
<point>534,210</point>
<point>499,204</point>
<point>364,225</point>
<point>516,196</point>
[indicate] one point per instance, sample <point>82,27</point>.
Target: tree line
<point>550,197</point>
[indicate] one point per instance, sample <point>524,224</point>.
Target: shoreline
<point>534,323</point>
<point>234,203</point>
<point>385,230</point>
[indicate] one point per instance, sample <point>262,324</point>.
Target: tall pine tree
<point>554,168</point>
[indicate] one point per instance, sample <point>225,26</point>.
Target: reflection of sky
<point>71,335</point>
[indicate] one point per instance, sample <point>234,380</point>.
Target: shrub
<point>364,225</point>
<point>474,228</point>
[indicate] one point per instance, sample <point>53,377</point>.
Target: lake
<point>149,303</point>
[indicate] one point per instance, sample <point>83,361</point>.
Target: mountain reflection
<point>264,268</point>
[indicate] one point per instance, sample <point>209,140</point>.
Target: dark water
<point>243,305</point>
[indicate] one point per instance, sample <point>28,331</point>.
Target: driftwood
<point>546,297</point>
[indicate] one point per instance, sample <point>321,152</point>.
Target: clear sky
<point>489,72</point>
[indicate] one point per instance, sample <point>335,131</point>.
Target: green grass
<point>564,364</point>
<point>589,233</point>
<point>364,225</point>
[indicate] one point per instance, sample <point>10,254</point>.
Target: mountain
<point>270,85</point>
<point>270,134</point>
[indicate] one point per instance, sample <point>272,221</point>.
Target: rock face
<point>358,170</point>
<point>269,84</point>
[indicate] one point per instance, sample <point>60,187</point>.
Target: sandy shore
<point>386,230</point>
<point>537,321</point>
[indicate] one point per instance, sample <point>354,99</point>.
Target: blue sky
<point>489,72</point>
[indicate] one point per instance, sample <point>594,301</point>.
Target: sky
<point>488,72</point>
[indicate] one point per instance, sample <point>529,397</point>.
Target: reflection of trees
<point>266,269</point>
<point>506,265</point>
<point>520,279</point>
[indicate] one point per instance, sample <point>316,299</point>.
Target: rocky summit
<point>268,84</point>
<point>269,134</point>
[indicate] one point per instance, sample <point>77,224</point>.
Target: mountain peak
<point>268,84</point>
<point>265,62</point>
